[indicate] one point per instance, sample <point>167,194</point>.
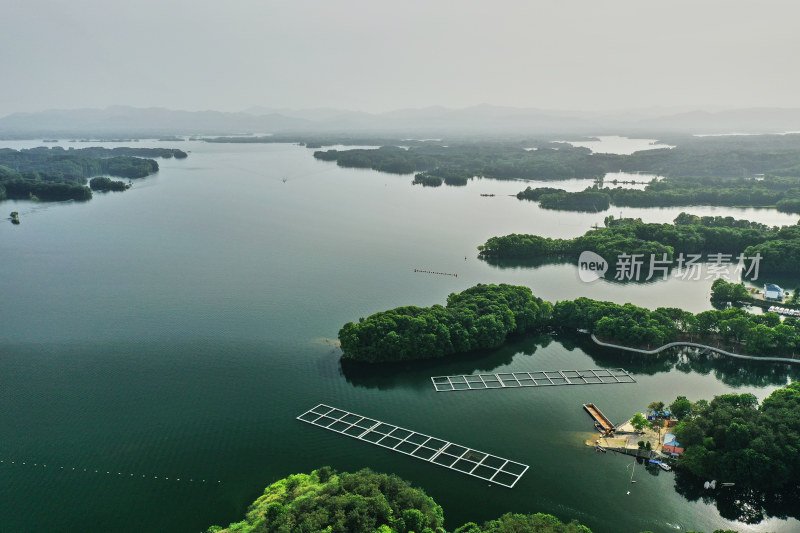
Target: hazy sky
<point>381,55</point>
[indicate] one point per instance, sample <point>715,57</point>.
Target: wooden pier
<point>601,422</point>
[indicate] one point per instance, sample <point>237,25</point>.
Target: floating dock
<point>438,451</point>
<point>543,378</point>
<point>432,272</point>
<point>601,422</point>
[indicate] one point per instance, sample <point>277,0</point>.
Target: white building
<point>773,292</point>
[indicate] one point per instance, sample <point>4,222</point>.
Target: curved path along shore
<point>695,345</point>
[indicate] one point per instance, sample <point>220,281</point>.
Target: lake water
<point>614,144</point>
<point>177,329</point>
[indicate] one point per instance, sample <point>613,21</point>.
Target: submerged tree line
<point>52,174</point>
<point>778,247</point>
<point>484,315</point>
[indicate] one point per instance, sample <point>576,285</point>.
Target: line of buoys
<point>431,272</point>
<point>108,472</point>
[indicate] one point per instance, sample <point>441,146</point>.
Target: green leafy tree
<point>733,438</point>
<point>639,422</point>
<point>681,407</point>
<point>362,502</point>
<point>479,317</point>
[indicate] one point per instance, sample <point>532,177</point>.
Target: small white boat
<point>664,466</point>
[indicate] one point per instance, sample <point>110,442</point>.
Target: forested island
<point>314,140</point>
<point>781,192</point>
<point>484,315</point>
<point>753,171</point>
<point>442,175</point>
<point>515,159</point>
<point>499,160</point>
<point>592,199</point>
<point>758,171</point>
<point>779,247</point>
<point>107,184</point>
<point>53,174</point>
<point>367,502</point>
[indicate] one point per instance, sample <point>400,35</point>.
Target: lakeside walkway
<point>694,345</point>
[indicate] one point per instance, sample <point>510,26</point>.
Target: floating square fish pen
<point>475,463</point>
<point>542,378</point>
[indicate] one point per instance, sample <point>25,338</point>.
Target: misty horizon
<point>364,57</point>
<point>654,110</point>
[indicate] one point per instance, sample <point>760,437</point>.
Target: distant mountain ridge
<point>131,121</point>
<point>125,121</point>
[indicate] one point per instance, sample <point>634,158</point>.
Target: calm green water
<point>177,329</point>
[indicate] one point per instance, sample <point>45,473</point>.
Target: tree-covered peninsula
<point>325,501</point>
<point>366,502</point>
<point>734,439</point>
<point>349,503</point>
<point>732,329</point>
<point>484,315</point>
<point>498,160</point>
<point>779,248</point>
<point>780,192</point>
<point>591,200</point>
<point>538,159</point>
<point>479,317</point>
<point>53,174</point>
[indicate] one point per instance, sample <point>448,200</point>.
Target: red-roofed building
<point>671,444</point>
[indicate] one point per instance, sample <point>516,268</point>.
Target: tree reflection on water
<point>740,504</point>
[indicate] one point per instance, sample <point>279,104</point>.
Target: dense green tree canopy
<point>733,328</point>
<point>698,171</point>
<point>514,159</point>
<point>106,184</point>
<point>589,200</point>
<point>427,180</point>
<point>363,502</point>
<point>479,317</point>
<point>58,174</point>
<point>783,194</point>
<point>779,248</point>
<point>733,439</point>
<point>524,523</point>
<point>724,291</point>
<point>484,315</point>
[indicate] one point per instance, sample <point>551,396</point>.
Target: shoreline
<point>693,345</point>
